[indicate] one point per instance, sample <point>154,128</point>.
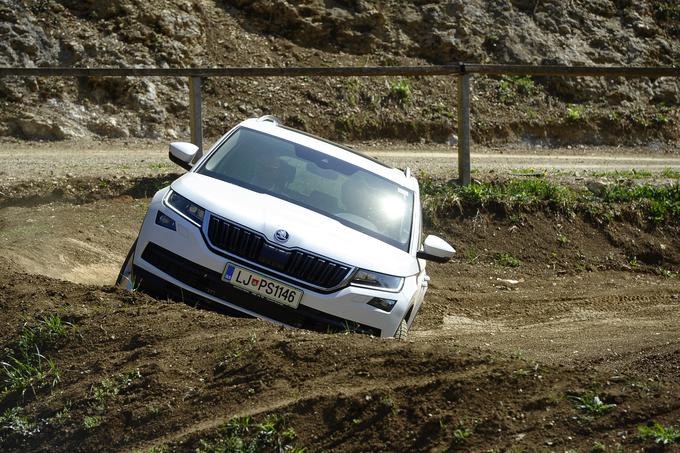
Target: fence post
<point>464,130</point>
<point>195,114</point>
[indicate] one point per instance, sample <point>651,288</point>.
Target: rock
<point>95,8</point>
<point>108,127</point>
<point>667,90</point>
<point>38,129</point>
<point>645,29</point>
<point>597,188</point>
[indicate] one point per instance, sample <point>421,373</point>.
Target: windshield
<point>355,197</point>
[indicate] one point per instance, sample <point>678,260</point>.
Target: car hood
<point>308,230</point>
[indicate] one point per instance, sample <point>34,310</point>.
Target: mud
<point>496,352</point>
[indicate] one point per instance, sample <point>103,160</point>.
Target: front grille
<point>234,239</point>
<point>210,282</point>
<point>303,266</point>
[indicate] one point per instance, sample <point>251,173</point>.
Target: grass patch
<point>460,435</point>
<point>12,422</point>
<point>91,422</point>
<point>667,273</point>
<point>670,173</point>
<point>660,203</point>
<point>575,112</point>
<point>62,416</point>
<point>243,434</point>
<point>401,91</point>
<point>655,204</point>
<point>440,196</point>
<point>510,88</point>
<point>25,366</point>
<point>108,389</point>
<point>664,435</point>
<point>507,260</point>
<point>590,403</point>
<point>472,255</point>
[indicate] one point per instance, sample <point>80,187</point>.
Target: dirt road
<point>494,351</point>
<point>25,162</point>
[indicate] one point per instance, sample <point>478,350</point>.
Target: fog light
<point>383,304</point>
<point>165,221</point>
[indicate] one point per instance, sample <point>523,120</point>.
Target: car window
<point>350,194</point>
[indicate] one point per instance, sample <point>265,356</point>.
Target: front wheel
<point>125,278</point>
<point>402,331</point>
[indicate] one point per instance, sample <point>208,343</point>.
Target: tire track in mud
<point>592,327</point>
<point>338,391</point>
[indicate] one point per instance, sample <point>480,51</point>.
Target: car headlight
<point>376,280</point>
<point>191,211</point>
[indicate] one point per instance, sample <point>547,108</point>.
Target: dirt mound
<point>137,373</point>
<point>181,33</point>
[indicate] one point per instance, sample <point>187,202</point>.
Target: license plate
<point>262,286</point>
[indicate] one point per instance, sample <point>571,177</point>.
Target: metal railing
<point>463,72</point>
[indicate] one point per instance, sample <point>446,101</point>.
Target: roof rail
<point>270,118</point>
<point>407,172</point>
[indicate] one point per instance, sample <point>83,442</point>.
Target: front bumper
<point>180,264</point>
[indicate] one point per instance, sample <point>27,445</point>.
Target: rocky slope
<point>206,33</point>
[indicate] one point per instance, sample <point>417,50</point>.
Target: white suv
<point>284,226</point>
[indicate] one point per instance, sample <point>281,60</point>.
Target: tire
<point>402,331</point>
<point>126,279</point>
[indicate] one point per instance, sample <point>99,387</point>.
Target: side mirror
<point>182,153</point>
<point>436,249</point>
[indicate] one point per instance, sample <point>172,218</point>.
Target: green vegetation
<point>443,110</point>
<point>103,392</point>
<point>667,273</point>
<point>12,422</point>
<point>243,434</point>
<point>352,90</point>
<point>575,112</point>
<point>664,435</point>
<point>511,194</point>
<point>670,173</point>
<point>62,416</point>
<point>601,447</point>
<point>661,203</point>
<point>388,405</point>
<point>655,204</point>
<point>510,87</point>
<point>25,366</point>
<point>598,447</point>
<point>92,421</point>
<point>660,119</point>
<point>629,174</point>
<point>590,403</point>
<point>401,91</point>
<point>507,260</point>
<point>107,389</point>
<point>461,434</point>
<point>471,255</point>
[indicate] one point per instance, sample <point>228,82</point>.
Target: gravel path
<point>26,161</point>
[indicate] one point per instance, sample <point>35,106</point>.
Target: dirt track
<point>495,350</point>
<point>25,162</point>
